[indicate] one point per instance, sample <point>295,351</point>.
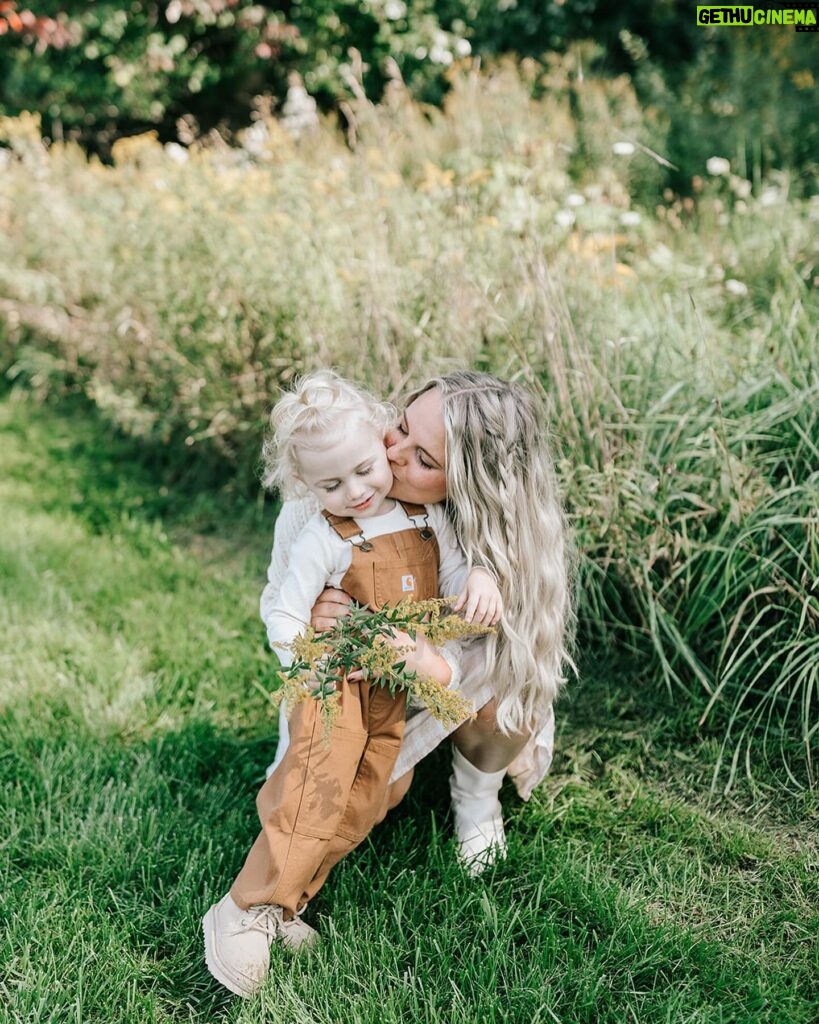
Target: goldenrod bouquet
<point>361,640</point>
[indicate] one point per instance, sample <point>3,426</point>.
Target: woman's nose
<point>395,450</point>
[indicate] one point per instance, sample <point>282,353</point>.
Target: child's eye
<point>331,487</point>
<point>401,428</point>
<point>364,472</point>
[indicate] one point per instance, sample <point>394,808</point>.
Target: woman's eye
<point>401,429</point>
<point>424,463</point>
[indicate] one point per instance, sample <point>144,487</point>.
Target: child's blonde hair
<point>318,403</point>
<point>504,503</point>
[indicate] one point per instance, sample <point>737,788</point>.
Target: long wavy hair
<point>503,500</point>
<point>318,404</point>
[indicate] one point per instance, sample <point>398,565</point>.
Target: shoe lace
<point>268,918</point>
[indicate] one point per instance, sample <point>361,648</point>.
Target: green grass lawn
<point>134,737</point>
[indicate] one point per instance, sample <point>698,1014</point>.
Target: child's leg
<point>367,804</point>
<point>302,804</point>
<point>301,807</point>
<point>396,791</point>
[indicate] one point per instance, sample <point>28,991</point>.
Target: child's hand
<point>480,599</point>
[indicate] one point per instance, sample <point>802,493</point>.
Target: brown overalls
<point>328,792</point>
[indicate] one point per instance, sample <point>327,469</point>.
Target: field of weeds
<point>674,341</point>
<point>149,311</point>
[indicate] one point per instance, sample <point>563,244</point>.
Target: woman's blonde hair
<point>503,500</point>
<point>319,403</point>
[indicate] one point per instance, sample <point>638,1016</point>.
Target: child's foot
<point>477,811</point>
<point>237,942</point>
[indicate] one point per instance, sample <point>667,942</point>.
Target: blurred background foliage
<point>95,72</point>
<point>600,199</point>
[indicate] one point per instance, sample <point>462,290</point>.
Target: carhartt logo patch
<point>407,583</point>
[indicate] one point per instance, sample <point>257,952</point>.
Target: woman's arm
<point>292,519</point>
<point>331,604</point>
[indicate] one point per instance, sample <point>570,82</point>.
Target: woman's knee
<point>481,741</point>
<point>483,725</point>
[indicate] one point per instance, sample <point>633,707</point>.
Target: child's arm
<point>312,560</point>
<point>480,599</point>
<point>478,592</point>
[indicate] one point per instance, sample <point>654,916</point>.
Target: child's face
<point>349,475</point>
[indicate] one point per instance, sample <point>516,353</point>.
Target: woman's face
<point>416,449</point>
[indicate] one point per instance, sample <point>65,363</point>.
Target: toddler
<point>326,794</point>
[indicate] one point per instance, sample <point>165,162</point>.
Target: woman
<point>479,444</point>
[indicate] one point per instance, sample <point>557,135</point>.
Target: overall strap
<point>345,526</point>
<point>413,511</point>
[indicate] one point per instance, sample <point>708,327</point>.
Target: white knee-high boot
<point>477,811</point>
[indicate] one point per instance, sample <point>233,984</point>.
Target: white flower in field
<point>420,52</point>
<point>769,197</point>
<point>299,113</point>
<point>661,256</point>
<point>440,55</point>
<point>575,199</point>
<point>256,139</point>
<point>734,287</point>
<point>395,9</point>
<point>463,48</point>
<point>623,148</point>
<point>741,187</point>
<point>718,166</point>
<point>564,218</point>
<point>630,218</point>
<point>175,153</point>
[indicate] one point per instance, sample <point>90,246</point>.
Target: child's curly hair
<point>319,403</point>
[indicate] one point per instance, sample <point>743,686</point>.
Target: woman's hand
<point>331,604</point>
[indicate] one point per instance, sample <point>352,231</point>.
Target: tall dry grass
<point>674,342</point>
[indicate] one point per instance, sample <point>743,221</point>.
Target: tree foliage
<point>97,71</point>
